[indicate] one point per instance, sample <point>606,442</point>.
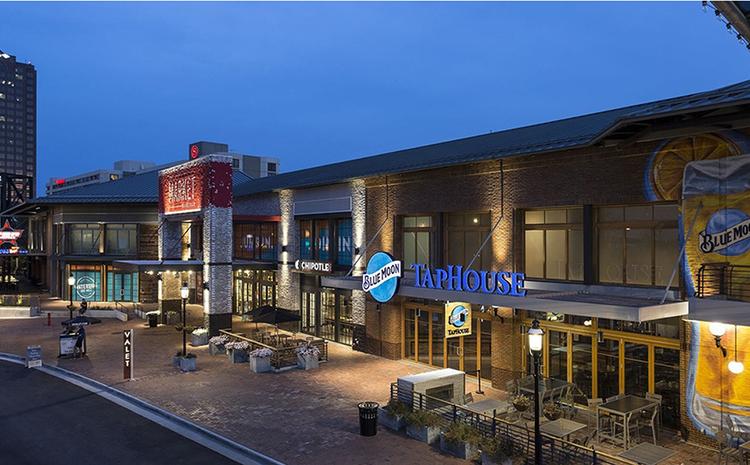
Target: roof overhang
<point>715,309</point>
<point>160,265</point>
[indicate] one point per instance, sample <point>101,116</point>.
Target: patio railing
<point>281,356</point>
<point>517,435</point>
<point>724,279</point>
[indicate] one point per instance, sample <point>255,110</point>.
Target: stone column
<point>217,268</point>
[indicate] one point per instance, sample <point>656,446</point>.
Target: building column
<point>217,268</point>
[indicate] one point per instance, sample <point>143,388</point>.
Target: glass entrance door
<point>454,353</point>
<point>309,314</point>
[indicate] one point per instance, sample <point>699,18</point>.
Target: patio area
<point>299,417</point>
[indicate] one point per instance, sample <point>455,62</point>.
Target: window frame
<point>331,223</point>
<point>430,230</point>
<point>544,227</point>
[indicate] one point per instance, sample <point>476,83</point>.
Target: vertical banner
<point>127,354</point>
<point>457,319</point>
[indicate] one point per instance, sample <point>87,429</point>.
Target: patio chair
<point>468,398</point>
<point>511,387</point>
<point>567,403</point>
<point>729,447</point>
<point>657,398</point>
<point>593,404</point>
<point>615,397</point>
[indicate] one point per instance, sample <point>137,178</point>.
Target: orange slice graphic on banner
<point>670,161</point>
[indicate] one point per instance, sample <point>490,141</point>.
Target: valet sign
<point>727,233</point>
<point>382,277</point>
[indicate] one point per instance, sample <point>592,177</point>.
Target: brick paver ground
<point>296,416</point>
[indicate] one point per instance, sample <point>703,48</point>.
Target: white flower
<point>261,353</point>
<point>200,331</point>
<point>219,340</point>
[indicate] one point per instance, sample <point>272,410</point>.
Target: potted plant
<point>237,351</point>
<point>199,337</point>
<point>260,360</point>
<point>521,402</point>
<point>460,440</point>
<point>393,415</point>
<point>187,363</point>
<point>307,356</point>
<point>216,345</point>
<point>423,425</point>
<point>552,411</point>
<point>496,451</point>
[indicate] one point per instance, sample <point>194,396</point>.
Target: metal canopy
<point>160,265</point>
<point>717,309</point>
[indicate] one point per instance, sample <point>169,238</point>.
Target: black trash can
<point>368,418</point>
<point>152,320</point>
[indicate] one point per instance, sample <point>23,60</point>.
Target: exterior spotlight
<point>736,367</point>
<point>283,248</point>
<point>205,285</point>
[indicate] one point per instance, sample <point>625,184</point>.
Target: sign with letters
<point>127,354</point>
<point>313,266</point>
<point>457,319</point>
<point>33,356</point>
<point>455,278</point>
<point>195,185</point>
<point>382,277</point>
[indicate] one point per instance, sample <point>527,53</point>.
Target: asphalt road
<point>47,421</point>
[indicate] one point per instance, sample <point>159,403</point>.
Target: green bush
<point>459,432</point>
<point>423,418</point>
<point>397,408</point>
<point>497,449</point>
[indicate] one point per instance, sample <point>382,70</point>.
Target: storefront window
<point>438,335</point>
<point>306,241</point>
<point>608,363</point>
<point>344,242</point>
<point>84,239</point>
<point>322,241</point>
<point>122,287</point>
<point>410,334</point>
<point>558,355</point>
<point>486,364</point>
<point>327,240</point>
<point>464,234</point>
<point>667,383</point>
<point>252,289</point>
<point>636,369</point>
<point>416,231</point>
<point>423,332</point>
<point>637,244</point>
<point>582,364</point>
<point>121,239</point>
<point>553,244</point>
<point>255,241</point>
<point>88,283</point>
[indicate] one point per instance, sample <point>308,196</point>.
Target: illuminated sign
<point>313,266</point>
<point>85,287</point>
<point>455,278</point>
<point>127,354</point>
<point>8,235</point>
<point>195,151</point>
<point>59,182</point>
<point>457,319</point>
<point>193,186</point>
<point>382,277</point>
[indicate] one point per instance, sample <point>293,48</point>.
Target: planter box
<point>462,450</point>
<point>187,364</point>
<point>213,349</point>
<point>196,340</point>
<point>487,460</point>
<point>260,364</point>
<point>176,361</point>
<point>238,356</point>
<point>307,362</point>
<point>428,434</point>
<point>391,422</point>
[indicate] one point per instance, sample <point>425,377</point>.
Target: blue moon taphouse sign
<point>382,277</point>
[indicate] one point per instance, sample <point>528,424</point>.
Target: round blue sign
<point>727,233</point>
<point>382,277</point>
<point>458,316</point>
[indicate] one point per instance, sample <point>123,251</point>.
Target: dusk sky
<point>315,83</point>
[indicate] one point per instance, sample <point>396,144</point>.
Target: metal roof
<point>555,135</point>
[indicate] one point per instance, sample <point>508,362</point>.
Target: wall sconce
<point>717,331</point>
<point>205,285</point>
<point>356,251</point>
<point>158,276</point>
<point>283,248</point>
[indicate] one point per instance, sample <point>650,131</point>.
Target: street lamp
<point>536,342</point>
<point>184,293</point>
<point>71,283</point>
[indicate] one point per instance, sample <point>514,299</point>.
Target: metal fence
<point>517,436</point>
<point>724,279</point>
<point>281,356</point>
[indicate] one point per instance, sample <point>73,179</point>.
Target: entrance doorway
<point>326,312</point>
<point>424,341</point>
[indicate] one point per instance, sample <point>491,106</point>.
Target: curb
<point>217,443</point>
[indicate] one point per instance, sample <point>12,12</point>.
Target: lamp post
<point>536,340</point>
<point>71,283</point>
<point>184,293</point>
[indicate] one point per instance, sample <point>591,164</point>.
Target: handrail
<point>280,356</point>
<point>723,279</point>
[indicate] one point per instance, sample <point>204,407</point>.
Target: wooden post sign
<point>127,354</point>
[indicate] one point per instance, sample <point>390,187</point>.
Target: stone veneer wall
<point>359,240</point>
<point>288,283</point>
<point>217,268</point>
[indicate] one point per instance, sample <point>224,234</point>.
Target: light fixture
<point>536,338</point>
<point>356,251</point>
<point>587,322</point>
<point>205,285</point>
<point>718,330</point>
<point>475,220</point>
<point>71,280</point>
<point>736,366</point>
<point>283,248</point>
<point>184,291</point>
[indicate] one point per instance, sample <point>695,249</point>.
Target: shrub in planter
<point>260,360</point>
<point>496,452</point>
<point>237,351</point>
<point>460,440</point>
<point>393,415</point>
<point>187,363</point>
<point>424,426</point>
<point>199,337</point>
<point>552,411</point>
<point>307,357</point>
<point>216,345</point>
<point>521,402</point>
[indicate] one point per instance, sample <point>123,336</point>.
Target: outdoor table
<point>646,453</point>
<point>623,407</point>
<point>488,406</point>
<point>552,388</point>
<point>561,428</point>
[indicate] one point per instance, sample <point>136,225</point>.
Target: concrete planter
<point>428,434</point>
<point>392,422</point>
<point>487,460</point>
<point>237,356</point>
<point>198,340</point>
<point>214,349</point>
<point>176,361</point>
<point>462,450</point>
<point>307,362</point>
<point>260,364</point>
<point>188,363</point>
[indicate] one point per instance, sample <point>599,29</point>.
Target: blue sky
<point>314,83</point>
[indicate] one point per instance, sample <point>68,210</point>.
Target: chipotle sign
<point>195,185</point>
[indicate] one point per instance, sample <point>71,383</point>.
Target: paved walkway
<point>297,417</point>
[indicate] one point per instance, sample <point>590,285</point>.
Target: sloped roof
<point>566,133</point>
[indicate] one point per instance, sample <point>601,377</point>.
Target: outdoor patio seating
<point>644,418</point>
<point>658,398</point>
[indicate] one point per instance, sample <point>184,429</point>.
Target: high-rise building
<point>18,122</point>
<point>122,168</point>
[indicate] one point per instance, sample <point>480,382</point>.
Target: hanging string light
<point>736,366</point>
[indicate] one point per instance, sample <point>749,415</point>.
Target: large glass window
<point>582,365</point>
<point>558,355</point>
<point>122,287</point>
<point>667,383</point>
<point>417,231</point>
<point>88,283</point>
<point>464,234</point>
<point>637,244</point>
<point>344,242</point>
<point>255,241</point>
<point>438,338</point>
<point>323,240</point>
<point>327,240</point>
<point>553,244</point>
<point>306,240</point>
<point>121,239</point>
<point>608,366</point>
<point>84,239</point>
<point>636,369</point>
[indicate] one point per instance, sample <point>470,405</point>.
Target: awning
<point>720,310</point>
<point>570,299</point>
<point>160,265</point>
